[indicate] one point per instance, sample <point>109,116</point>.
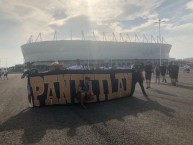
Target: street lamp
<point>159,21</point>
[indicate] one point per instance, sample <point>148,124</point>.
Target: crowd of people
<point>172,69</point>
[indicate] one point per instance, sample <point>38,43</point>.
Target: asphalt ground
<point>163,118</point>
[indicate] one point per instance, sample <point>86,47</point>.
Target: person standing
<point>174,73</point>
<point>148,73</point>
<point>177,69</point>
<point>157,74</point>
<point>163,73</point>
<point>169,68</point>
<point>137,71</point>
<point>5,74</point>
<point>1,73</point>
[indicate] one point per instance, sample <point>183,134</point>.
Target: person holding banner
<point>30,70</point>
<point>84,93</point>
<point>137,70</point>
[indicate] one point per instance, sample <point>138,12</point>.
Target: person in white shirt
<point>107,67</point>
<point>78,66</point>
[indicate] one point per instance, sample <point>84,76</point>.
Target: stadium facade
<point>93,52</point>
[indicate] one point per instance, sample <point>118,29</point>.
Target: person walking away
<point>137,69</point>
<point>157,74</point>
<point>148,73</point>
<point>163,72</point>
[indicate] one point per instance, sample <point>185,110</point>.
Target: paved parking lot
<point>165,117</point>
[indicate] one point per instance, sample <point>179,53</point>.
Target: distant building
<point>93,52</point>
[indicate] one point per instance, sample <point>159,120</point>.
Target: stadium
<point>90,53</point>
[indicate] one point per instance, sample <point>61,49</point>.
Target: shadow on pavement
<point>35,122</point>
<point>185,83</point>
<point>180,85</point>
<point>162,92</point>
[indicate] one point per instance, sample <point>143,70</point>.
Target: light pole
<point>159,21</point>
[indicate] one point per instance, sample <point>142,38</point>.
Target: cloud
<point>180,37</point>
<point>189,5</point>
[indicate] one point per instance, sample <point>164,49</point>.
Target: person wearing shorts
<point>157,74</point>
<point>148,73</point>
<point>163,73</point>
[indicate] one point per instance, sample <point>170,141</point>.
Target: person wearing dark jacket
<point>137,69</point>
<point>174,73</point>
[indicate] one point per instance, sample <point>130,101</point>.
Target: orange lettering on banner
<point>64,84</point>
<point>111,95</point>
<point>121,92</point>
<point>128,78</point>
<point>51,99</point>
<point>76,78</point>
<point>100,78</point>
<point>37,82</point>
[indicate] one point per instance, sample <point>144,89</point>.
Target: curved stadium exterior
<point>93,52</point>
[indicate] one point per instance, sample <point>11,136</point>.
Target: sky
<point>19,19</point>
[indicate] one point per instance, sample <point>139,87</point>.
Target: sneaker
<point>30,105</point>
